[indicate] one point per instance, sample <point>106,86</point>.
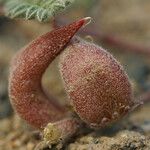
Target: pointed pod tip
<point>85,21</point>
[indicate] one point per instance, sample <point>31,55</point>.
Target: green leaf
<point>42,10</point>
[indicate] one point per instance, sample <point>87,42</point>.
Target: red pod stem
<point>25,89</point>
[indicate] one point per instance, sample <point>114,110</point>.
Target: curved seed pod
<point>96,83</point>
<point>25,89</point>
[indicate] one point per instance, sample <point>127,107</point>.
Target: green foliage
<point>42,10</point>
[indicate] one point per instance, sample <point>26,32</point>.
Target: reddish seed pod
<point>25,89</point>
<point>96,83</point>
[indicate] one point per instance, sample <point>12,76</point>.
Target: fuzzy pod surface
<point>27,68</point>
<point>97,85</point>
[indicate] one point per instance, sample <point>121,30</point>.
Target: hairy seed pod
<point>96,83</point>
<point>25,89</point>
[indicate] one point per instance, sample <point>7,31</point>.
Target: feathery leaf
<point>42,10</point>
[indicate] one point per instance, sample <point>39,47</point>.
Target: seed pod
<point>96,83</point>
<point>25,89</point>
